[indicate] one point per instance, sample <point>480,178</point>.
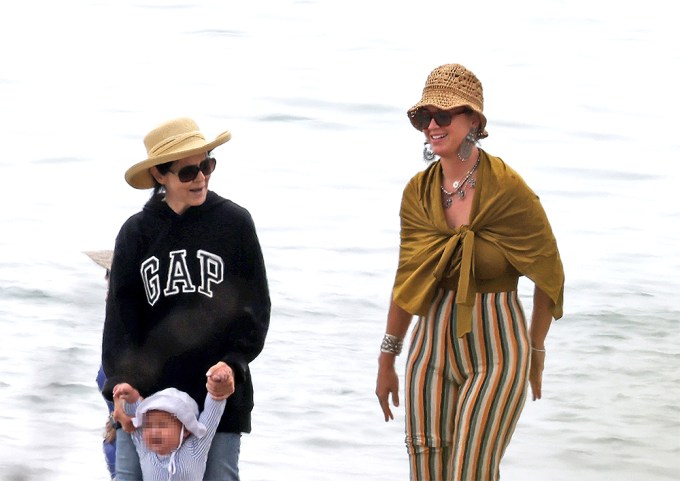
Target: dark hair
<point>163,169</point>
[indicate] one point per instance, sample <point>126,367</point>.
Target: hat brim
<point>139,177</point>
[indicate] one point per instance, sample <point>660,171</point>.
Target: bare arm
<point>541,318</point>
<point>387,383</point>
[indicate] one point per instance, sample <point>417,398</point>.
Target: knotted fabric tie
<point>168,144</point>
<point>466,290</point>
<point>505,212</point>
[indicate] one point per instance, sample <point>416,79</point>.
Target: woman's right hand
<point>387,383</point>
<point>124,392</point>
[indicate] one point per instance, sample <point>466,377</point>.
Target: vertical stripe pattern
<point>188,462</point>
<point>464,395</point>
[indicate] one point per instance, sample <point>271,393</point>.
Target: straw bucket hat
<point>450,86</point>
<point>172,140</point>
<point>103,258</point>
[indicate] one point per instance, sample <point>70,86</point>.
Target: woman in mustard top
<point>470,227</point>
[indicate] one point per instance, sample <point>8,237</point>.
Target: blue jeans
<point>127,461</point>
<point>222,458</point>
<point>110,456</point>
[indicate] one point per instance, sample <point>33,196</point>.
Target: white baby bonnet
<point>176,402</point>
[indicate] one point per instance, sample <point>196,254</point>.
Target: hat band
<point>168,144</point>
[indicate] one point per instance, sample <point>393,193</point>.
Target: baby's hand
<point>123,392</point>
<point>124,420</point>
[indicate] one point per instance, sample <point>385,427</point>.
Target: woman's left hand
<point>536,373</point>
<point>220,383</point>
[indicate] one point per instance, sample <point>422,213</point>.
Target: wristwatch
<point>115,424</point>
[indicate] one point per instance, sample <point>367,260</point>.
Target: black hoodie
<point>187,291</point>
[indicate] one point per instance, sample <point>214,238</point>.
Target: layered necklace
<point>459,186</point>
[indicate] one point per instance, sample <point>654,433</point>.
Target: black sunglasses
<point>190,172</point>
<point>421,118</point>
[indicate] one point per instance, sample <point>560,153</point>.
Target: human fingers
<point>216,376</point>
<point>121,389</point>
<point>230,385</point>
<point>220,390</point>
<point>220,372</point>
<point>383,400</point>
<point>119,415</point>
<point>219,367</point>
<point>395,398</point>
<point>536,385</point>
<point>218,381</point>
<point>536,374</point>
<point>385,386</point>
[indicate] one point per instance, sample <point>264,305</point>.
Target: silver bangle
<point>391,344</point>
<point>537,350</point>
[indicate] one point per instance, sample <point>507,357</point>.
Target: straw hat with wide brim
<point>173,140</point>
<point>450,86</point>
<point>103,258</point>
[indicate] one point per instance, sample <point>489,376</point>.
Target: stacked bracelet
<point>391,344</point>
<point>537,350</point>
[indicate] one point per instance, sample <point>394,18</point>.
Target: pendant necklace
<point>460,186</point>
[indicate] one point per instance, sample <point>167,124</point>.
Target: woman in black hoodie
<point>188,293</point>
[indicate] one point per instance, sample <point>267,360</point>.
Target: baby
<point>171,439</point>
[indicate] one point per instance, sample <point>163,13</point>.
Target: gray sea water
<point>581,98</point>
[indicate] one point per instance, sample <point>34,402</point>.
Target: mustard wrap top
<point>508,236</point>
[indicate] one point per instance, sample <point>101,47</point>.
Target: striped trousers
<point>464,395</point>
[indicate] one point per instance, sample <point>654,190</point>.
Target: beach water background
<point>581,98</point>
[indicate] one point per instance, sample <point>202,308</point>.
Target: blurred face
<point>182,195</point>
<point>161,432</point>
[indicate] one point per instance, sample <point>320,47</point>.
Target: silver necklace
<point>459,186</point>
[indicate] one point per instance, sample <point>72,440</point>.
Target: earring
<point>466,147</point>
<point>428,155</point>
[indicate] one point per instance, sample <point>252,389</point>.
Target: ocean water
<point>581,99</point>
